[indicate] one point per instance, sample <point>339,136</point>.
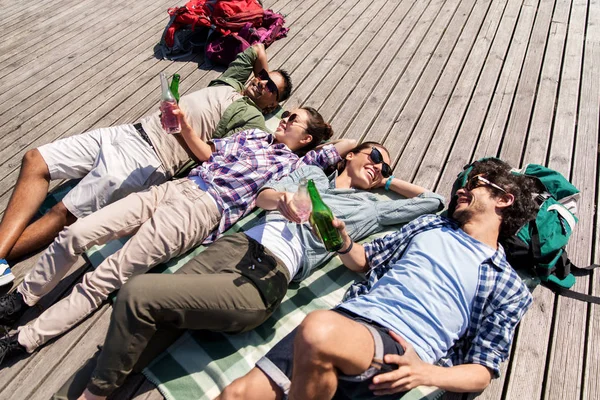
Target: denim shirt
<point>363,212</point>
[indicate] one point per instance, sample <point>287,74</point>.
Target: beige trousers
<point>166,221</point>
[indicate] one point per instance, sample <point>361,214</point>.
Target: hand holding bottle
<point>178,112</point>
<point>321,219</point>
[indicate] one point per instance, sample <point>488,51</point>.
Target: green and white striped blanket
<point>195,369</point>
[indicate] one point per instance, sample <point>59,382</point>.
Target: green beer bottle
<point>175,86</point>
<point>321,218</point>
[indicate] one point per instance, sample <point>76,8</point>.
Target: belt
<point>138,127</point>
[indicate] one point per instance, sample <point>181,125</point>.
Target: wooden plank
<point>323,57</point>
<point>27,49</point>
<point>353,122</point>
<point>46,381</point>
<point>409,138</point>
<point>568,340</point>
<point>470,125</point>
<point>518,121</point>
<point>353,90</point>
<point>588,127</point>
<point>529,359</point>
<point>353,64</point>
<point>61,290</point>
<point>497,116</point>
<point>13,19</point>
<point>446,131</point>
<point>69,120</point>
<point>294,51</point>
<point>32,369</point>
<point>539,133</point>
<point>65,76</point>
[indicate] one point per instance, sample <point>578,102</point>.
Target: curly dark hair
<point>521,187</point>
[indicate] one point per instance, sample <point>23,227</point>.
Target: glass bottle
<point>321,219</point>
<point>175,86</point>
<point>170,121</point>
<point>301,201</point>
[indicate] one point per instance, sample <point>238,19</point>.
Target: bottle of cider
<point>321,219</point>
<point>170,121</point>
<point>175,86</point>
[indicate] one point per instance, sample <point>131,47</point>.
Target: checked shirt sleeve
<point>491,344</point>
<point>323,158</point>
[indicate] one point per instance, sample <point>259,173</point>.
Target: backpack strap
<point>562,291</point>
<point>588,298</point>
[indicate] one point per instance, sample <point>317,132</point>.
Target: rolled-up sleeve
<point>491,344</point>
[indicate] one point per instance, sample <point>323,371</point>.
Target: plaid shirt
<point>501,298</point>
<point>242,163</point>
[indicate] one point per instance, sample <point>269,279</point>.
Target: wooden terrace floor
<point>439,82</point>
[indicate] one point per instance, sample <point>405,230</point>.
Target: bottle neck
<point>315,197</point>
<point>164,86</point>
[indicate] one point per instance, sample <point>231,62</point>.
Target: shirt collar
<point>497,259</point>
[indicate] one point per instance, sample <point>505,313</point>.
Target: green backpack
<point>537,250</point>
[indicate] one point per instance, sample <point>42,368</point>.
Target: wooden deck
<point>439,82</point>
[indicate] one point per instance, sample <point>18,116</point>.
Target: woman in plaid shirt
<point>167,220</point>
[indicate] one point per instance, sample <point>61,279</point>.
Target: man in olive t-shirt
<point>115,161</point>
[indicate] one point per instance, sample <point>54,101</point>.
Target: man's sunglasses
<point>479,180</point>
<point>377,158</point>
<point>271,86</point>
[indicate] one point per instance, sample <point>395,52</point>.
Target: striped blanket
<point>194,368</point>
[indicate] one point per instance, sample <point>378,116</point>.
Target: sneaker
<point>9,347</point>
<point>12,306</point>
<point>6,275</point>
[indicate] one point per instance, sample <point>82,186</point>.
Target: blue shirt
<point>501,298</point>
<point>426,297</point>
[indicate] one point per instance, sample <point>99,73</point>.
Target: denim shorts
<point>278,362</point>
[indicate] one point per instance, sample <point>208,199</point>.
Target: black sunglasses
<point>290,117</point>
<point>377,158</point>
<point>271,86</point>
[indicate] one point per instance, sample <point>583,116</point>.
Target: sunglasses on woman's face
<point>377,158</point>
<point>479,180</point>
<point>291,118</point>
<point>271,86</point>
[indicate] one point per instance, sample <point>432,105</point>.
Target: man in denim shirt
<point>439,291</point>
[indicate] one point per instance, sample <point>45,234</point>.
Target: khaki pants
<point>165,221</point>
<point>233,286</point>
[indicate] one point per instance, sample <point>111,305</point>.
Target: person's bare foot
<point>86,395</point>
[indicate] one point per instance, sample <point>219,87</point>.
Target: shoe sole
<point>6,279</point>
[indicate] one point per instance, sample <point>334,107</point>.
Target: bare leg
<point>326,343</point>
<point>255,385</point>
<point>28,195</point>
<point>42,232</point>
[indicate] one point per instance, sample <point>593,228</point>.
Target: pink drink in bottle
<point>170,121</point>
<point>302,201</point>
